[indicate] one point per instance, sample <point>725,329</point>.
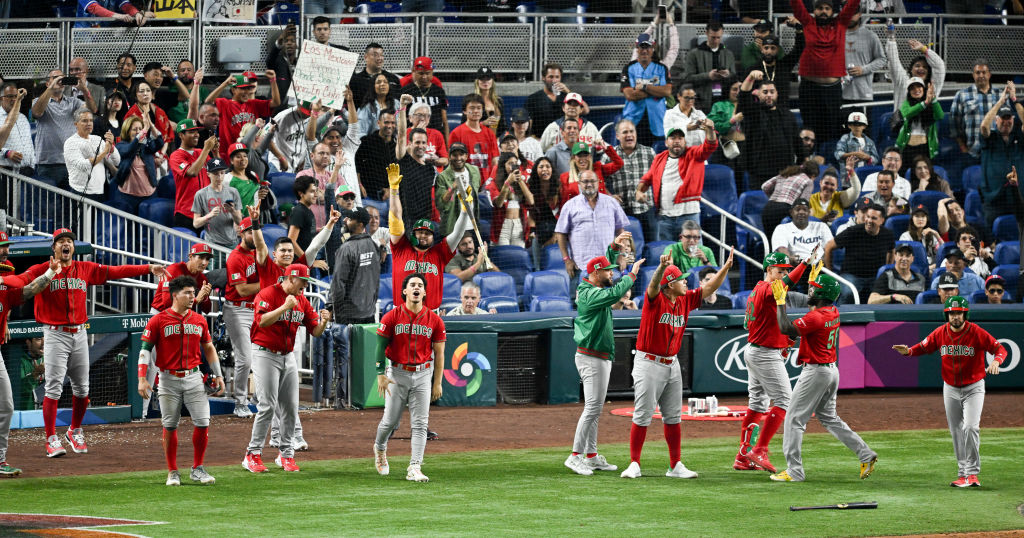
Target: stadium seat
<point>925,296</point>
<point>283,13</point>
<point>972,205</point>
<point>486,207</point>
<point>944,251</point>
<point>637,230</point>
<point>512,260</point>
<point>655,250</point>
<point>165,188</point>
<point>503,304</point>
<point>386,305</point>
<point>546,283</point>
<point>980,297</point>
<point>158,210</point>
<point>972,177</point>
<point>693,280</point>
<point>552,258</point>
<point>646,273</point>
<point>1010,273</point>
<point>884,268</point>
<point>897,224</point>
<point>1007,252</point>
<point>719,188</point>
<point>175,249</point>
<point>448,304</point>
<point>930,199</point>
<point>751,204</point>
<point>384,289</point>
<point>452,287</point>
<point>281,184</point>
<point>864,171</point>
<point>378,7</point>
<point>382,208</point>
<point>920,264</point>
<point>485,229</point>
<point>739,301</point>
<point>548,303</point>
<point>494,284</point>
<point>1005,228</point>
<point>271,233</point>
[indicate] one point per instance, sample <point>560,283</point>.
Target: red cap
<point>4,240</point>
<point>990,279</point>
<point>423,63</point>
<point>297,270</point>
<point>201,249</point>
<point>671,275</point>
<point>63,232</point>
<point>237,146</point>
<point>246,223</point>
<point>599,262</point>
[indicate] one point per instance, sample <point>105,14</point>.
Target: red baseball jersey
<point>241,270</point>
<point>411,336</point>
<point>963,353</point>
<point>234,115</point>
<point>819,335</point>
<point>760,320</point>
<point>663,322</point>
<point>186,187</point>
<point>9,296</point>
<point>63,301</point>
<point>280,335</point>
<point>270,273</point>
<point>162,297</point>
<point>177,339</point>
<point>407,259</point>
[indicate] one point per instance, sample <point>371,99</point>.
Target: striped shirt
<point>968,109</point>
<point>53,127</point>
<point>20,140</point>
<point>787,189</point>
<point>590,229</point>
<point>625,181</point>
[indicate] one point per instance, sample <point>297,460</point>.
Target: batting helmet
<point>422,224</point>
<point>956,303</point>
<point>824,287</point>
<point>776,259</point>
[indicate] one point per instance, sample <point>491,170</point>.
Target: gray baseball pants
<point>656,384</point>
<point>273,383</point>
<point>239,325</point>
<point>66,354</point>
<point>188,391</point>
<point>150,373</point>
<point>6,409</point>
<point>963,413</point>
<point>293,368</point>
<point>410,389</point>
<point>594,374</point>
<point>767,379</point>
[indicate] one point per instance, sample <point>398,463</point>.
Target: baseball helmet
<point>776,259</point>
<point>422,224</point>
<point>825,287</point>
<point>956,303</point>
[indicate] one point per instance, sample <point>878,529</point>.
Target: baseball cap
<point>246,224</point>
<point>343,190</point>
<point>776,259</point>
<point>1006,110</point>
<point>801,201</point>
<point>955,253</point>
<point>915,80</point>
<point>333,126</point>
<point>63,232</point>
<point>360,214</point>
<point>305,107</point>
<point>507,137</point>
<point>857,117</point>
<point>903,247</point>
<point>423,224</point>
<point>458,146</point>
<point>298,270</point>
<point>862,203</point>
<point>484,73</point>
<point>645,40</point>
<point>237,146</point>
<point>200,249</point>
<point>187,124</point>
<point>216,165</point>
<point>920,208</point>
<point>4,240</point>
<point>580,147</point>
<point>994,279</point>
<point>245,80</point>
<point>574,97</point>
<point>948,280</point>
<point>824,3</point>
<point>770,39</point>
<point>762,25</point>
<point>519,115</point>
<point>675,130</point>
<point>672,273</point>
<point>597,263</point>
<point>423,63</point>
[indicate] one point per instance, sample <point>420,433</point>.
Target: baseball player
<point>180,337</point>
<point>280,310</point>
<point>13,296</point>
<point>199,257</point>
<point>595,351</point>
<point>815,391</point>
<point>243,284</point>
<point>963,346</point>
<point>657,380</point>
<point>765,356</point>
<point>412,336</point>
<point>61,309</point>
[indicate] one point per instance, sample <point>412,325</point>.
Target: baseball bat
<point>476,225</point>
<point>840,506</point>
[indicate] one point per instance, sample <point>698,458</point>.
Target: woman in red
<point>511,196</point>
<point>144,105</point>
<point>582,159</point>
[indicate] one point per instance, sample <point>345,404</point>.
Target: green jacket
<point>593,329</point>
<point>909,113</point>
<point>721,113</point>
<point>450,210</point>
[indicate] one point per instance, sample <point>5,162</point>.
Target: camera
<point>69,81</point>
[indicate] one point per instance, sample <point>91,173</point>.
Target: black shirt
<point>771,139</point>
<point>362,83</point>
<point>416,195</point>
<point>433,96</point>
<point>543,111</point>
<point>302,218</point>
<point>890,282</point>
<point>721,303</point>
<point>865,253</point>
<point>372,159</point>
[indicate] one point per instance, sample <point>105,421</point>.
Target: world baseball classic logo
<point>466,369</point>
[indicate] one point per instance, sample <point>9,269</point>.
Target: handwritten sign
<point>322,72</point>
<point>174,9</point>
<point>230,11</point>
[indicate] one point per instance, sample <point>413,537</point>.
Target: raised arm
<point>719,279</point>
<point>403,124</point>
<point>275,91</point>
<point>459,229</point>
<point>396,227</point>
<point>193,96</point>
<point>990,116</point>
<point>320,239</point>
<point>850,194</point>
<point>654,286</point>
<point>262,251</point>
<point>212,98</point>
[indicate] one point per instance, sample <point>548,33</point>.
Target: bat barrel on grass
<point>840,506</point>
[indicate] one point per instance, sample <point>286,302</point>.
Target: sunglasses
<point>691,236</point>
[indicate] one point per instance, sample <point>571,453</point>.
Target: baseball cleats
<point>173,479</point>
<point>867,468</point>
<point>578,466</point>
<point>76,439</point>
<point>680,471</point>
<point>961,482</point>
<point>288,464</point>
<point>200,475</point>
<point>253,462</point>
<point>782,477</point>
<point>380,460</point>
<point>242,411</point>
<point>741,463</point>
<point>300,444</point>
<point>432,436</point>
<point>633,471</point>
<point>414,474</point>
<point>760,459</point>
<point>972,481</point>
<point>598,463</point>
<point>8,471</point>
<point>53,447</point>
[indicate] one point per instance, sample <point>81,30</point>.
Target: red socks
<point>637,434</point>
<point>78,407</point>
<point>50,416</point>
<point>674,438</point>
<point>170,440</point>
<point>752,417</point>
<point>592,454</point>
<point>200,437</point>
<point>776,416</point>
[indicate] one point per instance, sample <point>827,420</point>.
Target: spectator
<point>949,286</point>
<point>282,57</point>
<point>892,161</point>
<point>123,81</point>
<point>969,108</point>
<point>864,58</point>
<point>583,160</point>
<point>93,95</point>
<point>113,110</point>
<point>624,257</point>
<point>868,247</point>
<point>292,149</point>
<point>926,179</point>
<point>560,154</point>
<point>685,116</point>
<point>208,116</point>
<point>646,83</point>
<point>622,184</point>
<point>354,284</point>
<point>918,230</point>
<point>321,159</point>
<point>418,174</point>
<point>806,150</point>
<point>545,105</point>
<point>144,106</point>
<point>884,196</point>
<point>545,204</point>
<point>728,126</point>
<point>750,56</point>
<point>18,153</point>
<point>343,155</point>
<point>689,253</point>
<point>976,257</point>
<point>424,91</point>
<point>375,153</point>
<point>238,168</point>
<point>55,118</point>
<point>855,144</point>
<point>529,145</point>
<point>437,149</point>
<point>572,108</point>
<point>1002,155</point>
<point>951,217</point>
<point>174,101</point>
<point>478,138</point>
<point>828,203</point>
<point>770,130</point>
<point>188,167</point>
<point>154,73</point>
<point>822,64</point>
<point>898,284</point>
<point>251,189</point>
<point>920,114</point>
<point>243,107</point>
<point>458,179</point>
<point>470,296</point>
<point>777,68</point>
<point>800,235</point>
<point>709,67</point>
<point>216,207</point>
<point>301,222</point>
<point>715,301</point>
<point>929,67</point>
<point>470,259</point>
<point>510,196</point>
<point>363,81</point>
<point>677,179</point>
<point>956,264</point>
<point>322,25</point>
<point>378,233</point>
<point>129,14</point>
<point>31,373</point>
<point>380,95</point>
<point>625,302</point>
<point>494,105</point>
<point>669,58</point>
<point>89,158</point>
<point>587,224</point>
<point>995,287</point>
<point>795,182</point>
<point>136,176</point>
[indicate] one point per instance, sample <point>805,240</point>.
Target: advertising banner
<point>470,370</point>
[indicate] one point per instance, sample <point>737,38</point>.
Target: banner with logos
<point>470,370</point>
<point>240,11</point>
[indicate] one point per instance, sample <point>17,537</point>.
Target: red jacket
<point>825,52</point>
<point>566,190</point>
<point>691,171</point>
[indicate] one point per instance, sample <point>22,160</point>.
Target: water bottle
<point>848,78</point>
<point>889,26</point>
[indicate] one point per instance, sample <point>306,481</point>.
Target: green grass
<point>529,492</point>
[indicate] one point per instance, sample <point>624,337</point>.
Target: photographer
<point>977,256</point>
<point>54,116</point>
<point>510,196</point>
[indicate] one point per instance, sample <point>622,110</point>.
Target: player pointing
<point>962,345</point>
<point>815,391</point>
<point>657,379</point>
<point>180,337</point>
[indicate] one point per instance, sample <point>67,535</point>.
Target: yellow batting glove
<point>462,203</point>
<point>394,176</point>
<point>815,270</point>
<point>779,290</point>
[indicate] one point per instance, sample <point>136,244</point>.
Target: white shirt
<point>82,175</point>
<point>553,134</point>
<point>902,187</point>
<point>290,138</point>
<point>531,149</point>
<point>676,118</point>
<point>463,179</point>
<point>801,242</point>
<point>20,140</point>
<point>670,184</point>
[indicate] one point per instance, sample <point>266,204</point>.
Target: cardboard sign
<point>174,9</point>
<point>229,11</point>
<point>322,72</point>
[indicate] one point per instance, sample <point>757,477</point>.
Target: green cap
<point>246,80</point>
<point>580,147</point>
<point>776,259</point>
<point>423,224</point>
<point>187,124</point>
<point>825,287</point>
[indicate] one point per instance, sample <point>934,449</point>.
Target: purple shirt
<point>590,231</point>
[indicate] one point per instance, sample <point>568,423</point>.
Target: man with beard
<point>587,224</point>
<point>545,105</point>
<point>468,261</point>
<point>645,84</point>
<point>636,159</point>
<point>176,97</point>
<point>243,284</point>
<point>243,107</point>
<point>771,129</point>
<point>123,81</point>
<point>418,173</point>
<point>864,57</point>
<point>375,153</point>
<point>423,90</point>
<point>800,235</point>
<point>868,247</point>
<point>969,108</point>
<point>460,178</point>
<point>777,67</point>
<point>808,147</point>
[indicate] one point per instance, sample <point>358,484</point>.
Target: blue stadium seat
<point>378,7</point>
<point>271,233</point>
<point>751,204</point>
<point>158,210</point>
<point>693,280</point>
<point>386,305</point>
<point>382,208</point>
<point>452,287</point>
<point>1010,273</point>
<point>739,301</point>
<point>980,297</point>
<point>281,185</point>
<point>925,296</point>
<point>972,205</point>
<point>1007,252</point>
<point>898,224</point>
<point>930,199</point>
<point>495,284</point>
<point>552,258</point>
<point>486,207</point>
<point>165,188</point>
<point>485,229</point>
<point>512,260</point>
<point>864,171</point>
<point>283,13</point>
<point>503,304</point>
<point>645,276</point>
<point>547,283</point>
<point>1005,228</point>
<point>548,303</point>
<point>655,250</point>
<point>972,177</point>
<point>384,290</point>
<point>175,249</point>
<point>920,264</point>
<point>448,304</point>
<point>637,230</point>
<point>884,268</point>
<point>880,130</point>
<point>944,251</point>
<point>719,188</point>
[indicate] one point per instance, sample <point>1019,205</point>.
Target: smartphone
<point>265,184</point>
<point>662,12</point>
<point>69,81</point>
